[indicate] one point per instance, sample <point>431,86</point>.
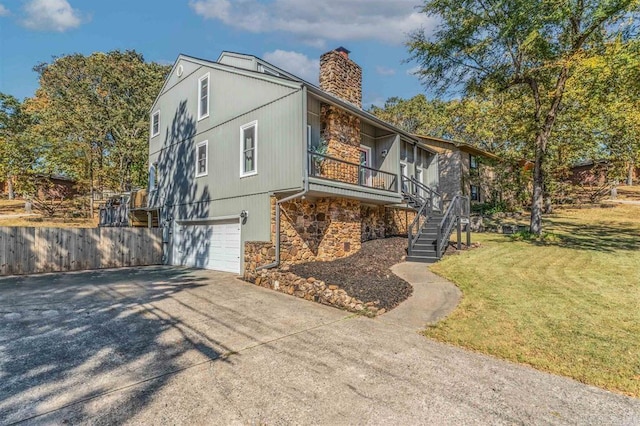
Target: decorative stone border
<point>312,289</point>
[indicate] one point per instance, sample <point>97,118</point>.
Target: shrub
<point>491,207</point>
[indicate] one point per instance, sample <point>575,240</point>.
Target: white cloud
<point>4,11</point>
<point>296,63</point>
<point>385,71</point>
<point>320,20</point>
<point>51,15</point>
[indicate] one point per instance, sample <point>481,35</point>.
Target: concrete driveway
<point>166,345</point>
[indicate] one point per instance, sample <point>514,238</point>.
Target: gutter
<point>276,263</point>
<point>305,176</point>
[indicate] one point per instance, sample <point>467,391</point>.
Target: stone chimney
<point>341,77</point>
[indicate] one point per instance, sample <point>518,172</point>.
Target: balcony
<point>334,169</point>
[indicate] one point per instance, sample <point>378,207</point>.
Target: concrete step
<point>421,259</point>
<point>424,247</point>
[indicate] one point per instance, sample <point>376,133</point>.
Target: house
<point>253,167</point>
<point>590,172</point>
<point>463,169</point>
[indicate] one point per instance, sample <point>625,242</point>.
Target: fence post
<point>468,204</point>
<point>458,208</point>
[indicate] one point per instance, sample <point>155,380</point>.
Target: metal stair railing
<point>423,197</point>
<point>418,222</point>
<point>434,196</point>
<point>458,209</point>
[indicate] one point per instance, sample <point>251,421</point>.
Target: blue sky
<point>291,34</point>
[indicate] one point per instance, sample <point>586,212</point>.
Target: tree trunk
<point>541,149</point>
<point>10,190</point>
<point>630,173</point>
<point>535,226</point>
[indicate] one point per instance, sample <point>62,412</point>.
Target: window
<point>155,124</point>
<point>475,193</point>
<point>249,149</point>
<point>152,178</point>
<point>473,162</point>
<point>309,144</point>
<point>202,152</point>
<point>203,97</point>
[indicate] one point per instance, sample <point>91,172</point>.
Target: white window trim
<point>204,77</point>
<point>206,164</point>
<point>255,148</point>
<point>157,113</point>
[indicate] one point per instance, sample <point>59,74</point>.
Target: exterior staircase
<point>425,246</point>
<point>429,232</point>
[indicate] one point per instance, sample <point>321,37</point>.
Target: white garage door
<point>209,245</point>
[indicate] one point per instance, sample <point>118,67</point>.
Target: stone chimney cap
<point>343,50</point>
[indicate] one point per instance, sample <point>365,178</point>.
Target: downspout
<point>305,177</point>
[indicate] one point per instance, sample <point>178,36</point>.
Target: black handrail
<point>330,168</point>
<point>457,209</point>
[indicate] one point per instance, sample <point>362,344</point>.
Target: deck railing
<point>330,168</point>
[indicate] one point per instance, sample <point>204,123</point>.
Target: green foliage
<point>491,207</point>
<point>527,49</point>
<point>93,110</point>
<point>19,151</point>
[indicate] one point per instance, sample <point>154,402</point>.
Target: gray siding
<point>235,100</point>
<point>244,62</point>
<point>450,173</point>
<point>230,95</point>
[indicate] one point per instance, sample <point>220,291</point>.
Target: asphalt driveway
<point>169,345</point>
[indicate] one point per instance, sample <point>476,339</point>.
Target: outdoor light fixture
<point>384,153</point>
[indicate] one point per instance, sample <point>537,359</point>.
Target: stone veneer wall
<point>341,132</point>
<point>373,222</point>
<point>398,221</point>
<point>323,229</point>
<point>341,77</point>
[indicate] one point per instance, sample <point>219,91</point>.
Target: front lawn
<point>570,305</point>
<point>12,213</point>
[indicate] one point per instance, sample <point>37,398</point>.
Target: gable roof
<point>223,67</point>
<point>292,81</point>
<point>460,145</point>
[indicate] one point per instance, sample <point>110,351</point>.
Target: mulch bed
<point>366,274</point>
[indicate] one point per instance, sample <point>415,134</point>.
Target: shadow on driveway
<point>66,338</point>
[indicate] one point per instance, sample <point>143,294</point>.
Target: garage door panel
<point>211,245</point>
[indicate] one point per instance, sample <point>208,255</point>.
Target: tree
<point>17,152</point>
<point>524,46</point>
<point>94,109</point>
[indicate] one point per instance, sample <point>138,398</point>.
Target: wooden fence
<point>34,250</point>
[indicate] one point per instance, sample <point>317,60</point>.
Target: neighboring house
<point>590,173</point>
<point>463,169</point>
<point>55,186</point>
<point>251,166</point>
<point>49,186</point>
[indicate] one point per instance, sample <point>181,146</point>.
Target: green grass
<point>569,305</point>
